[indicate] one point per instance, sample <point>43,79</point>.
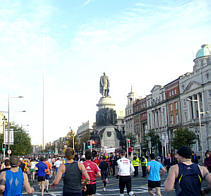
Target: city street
<point>139,186</point>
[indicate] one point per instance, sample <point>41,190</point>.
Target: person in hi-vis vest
<point>135,163</point>
<point>144,165</point>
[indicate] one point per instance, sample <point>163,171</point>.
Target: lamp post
<point>4,120</point>
<point>8,126</point>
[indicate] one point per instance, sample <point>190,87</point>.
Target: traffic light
<point>88,144</point>
<point>3,147</point>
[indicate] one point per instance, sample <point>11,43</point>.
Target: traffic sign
<point>9,151</point>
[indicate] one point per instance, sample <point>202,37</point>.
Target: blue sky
<point>136,42</point>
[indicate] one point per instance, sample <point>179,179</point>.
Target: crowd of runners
<point>79,173</point>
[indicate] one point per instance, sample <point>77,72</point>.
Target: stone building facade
<point>129,122</point>
<point>195,98</point>
<point>183,102</point>
<point>173,109</point>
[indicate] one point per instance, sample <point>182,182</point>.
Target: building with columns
<point>129,122</point>
<point>84,128</point>
<point>183,102</point>
<point>195,99</point>
<point>140,122</point>
<point>172,93</point>
<point>157,116</point>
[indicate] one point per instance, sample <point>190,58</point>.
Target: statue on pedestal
<point>104,85</point>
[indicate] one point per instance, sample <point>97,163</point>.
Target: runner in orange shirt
<point>47,175</point>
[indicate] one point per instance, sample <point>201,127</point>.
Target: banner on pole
<point>6,137</point>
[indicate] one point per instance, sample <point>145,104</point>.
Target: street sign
<point>9,151</point>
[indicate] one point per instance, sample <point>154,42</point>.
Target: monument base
<point>109,137</point>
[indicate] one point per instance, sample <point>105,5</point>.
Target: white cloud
<point>87,2</point>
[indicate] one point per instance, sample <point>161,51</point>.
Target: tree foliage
<point>69,140</point>
<point>154,138</point>
<point>183,137</point>
<point>84,139</point>
<point>22,141</point>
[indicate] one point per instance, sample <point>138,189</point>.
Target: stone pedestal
<point>106,102</point>
<point>106,119</point>
<point>109,138</point>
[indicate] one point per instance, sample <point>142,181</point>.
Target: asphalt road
<point>139,187</point>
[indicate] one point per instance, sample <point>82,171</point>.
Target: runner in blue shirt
<point>12,180</point>
<point>42,169</point>
<point>154,181</point>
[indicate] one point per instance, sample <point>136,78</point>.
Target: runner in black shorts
<point>104,172</point>
<point>41,178</point>
<point>153,184</point>
<point>153,168</point>
<point>42,167</point>
<point>91,189</point>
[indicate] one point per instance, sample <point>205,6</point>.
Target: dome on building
<point>204,51</point>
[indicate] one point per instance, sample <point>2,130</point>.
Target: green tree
<point>154,138</point>
<point>69,140</point>
<point>84,139</point>
<point>132,139</point>
<point>22,141</point>
<point>183,137</point>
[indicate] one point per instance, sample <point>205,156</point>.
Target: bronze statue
<point>104,85</point>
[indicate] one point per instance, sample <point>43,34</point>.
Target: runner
<point>12,181</point>
<point>57,164</point>
<point>42,167</point>
<point>6,165</point>
<point>125,169</point>
<point>154,181</point>
<point>47,175</point>
<point>186,175</point>
<point>72,172</point>
<point>93,172</point>
<point>104,172</point>
<point>168,162</point>
<point>113,163</point>
<point>33,170</point>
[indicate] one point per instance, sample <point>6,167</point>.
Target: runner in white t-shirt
<point>57,164</point>
<point>125,169</point>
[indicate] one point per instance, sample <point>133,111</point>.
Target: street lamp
<point>4,120</point>
<point>8,126</point>
<point>199,116</point>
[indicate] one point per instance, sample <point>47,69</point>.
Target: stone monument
<point>106,117</point>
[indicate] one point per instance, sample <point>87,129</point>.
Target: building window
<point>171,107</point>
<point>209,91</point>
<point>169,93</point>
<point>177,119</point>
<point>172,92</point>
<point>172,120</point>
<point>186,116</point>
<point>175,91</point>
